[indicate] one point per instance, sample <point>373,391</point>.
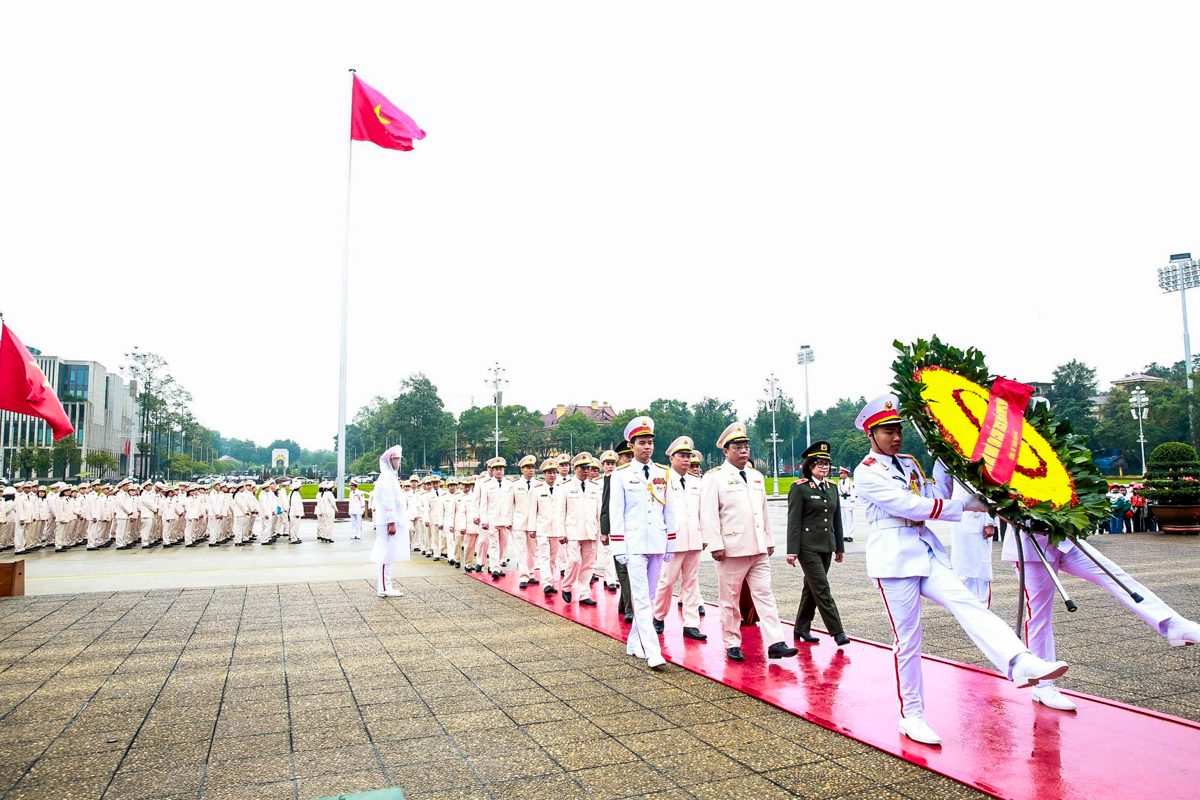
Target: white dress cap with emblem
<point>883,410</point>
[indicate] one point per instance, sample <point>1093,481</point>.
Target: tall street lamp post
<point>497,380</point>
<point>772,392</point>
<point>1139,406</point>
<point>806,357</point>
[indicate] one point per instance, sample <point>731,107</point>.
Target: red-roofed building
<point>600,413</point>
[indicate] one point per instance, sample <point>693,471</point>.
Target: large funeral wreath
<point>1056,488</point>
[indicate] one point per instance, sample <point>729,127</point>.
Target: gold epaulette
<point>623,466</point>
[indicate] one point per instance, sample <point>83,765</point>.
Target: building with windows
<point>600,413</point>
<point>100,404</point>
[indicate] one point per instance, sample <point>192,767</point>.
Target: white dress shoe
<point>1051,697</point>
<point>394,593</point>
<point>1029,669</point>
<point>656,662</point>
<point>917,729</point>
<point>1182,632</point>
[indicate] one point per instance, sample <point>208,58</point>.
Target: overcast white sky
<point>694,189</point>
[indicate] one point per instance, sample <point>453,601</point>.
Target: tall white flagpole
<point>341,449</point>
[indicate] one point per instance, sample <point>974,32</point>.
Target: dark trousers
<point>816,594</point>
<point>625,604</point>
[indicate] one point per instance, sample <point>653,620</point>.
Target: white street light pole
<point>497,380</point>
<point>1181,274</point>
<point>1139,406</point>
<point>806,357</point>
<point>772,391</point>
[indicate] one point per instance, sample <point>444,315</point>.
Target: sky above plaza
<point>617,202</point>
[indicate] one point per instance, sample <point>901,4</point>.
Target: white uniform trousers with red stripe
<point>686,567</point>
<point>1040,594</point>
<point>644,570</point>
<point>902,600</point>
<point>523,547</point>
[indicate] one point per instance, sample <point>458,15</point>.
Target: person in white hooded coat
<point>391,521</point>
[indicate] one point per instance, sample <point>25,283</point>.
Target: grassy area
<point>309,490</point>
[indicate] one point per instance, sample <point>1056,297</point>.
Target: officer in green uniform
<point>814,537</point>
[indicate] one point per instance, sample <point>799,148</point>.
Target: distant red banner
<point>1000,435</point>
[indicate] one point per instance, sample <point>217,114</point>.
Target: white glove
<point>975,503</point>
<point>667,557</point>
<point>622,560</point>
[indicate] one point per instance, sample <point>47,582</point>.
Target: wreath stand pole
<point>1087,550</point>
<point>1020,585</point>
<point>1067,601</point>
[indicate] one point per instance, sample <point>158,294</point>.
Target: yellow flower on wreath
<point>958,406</point>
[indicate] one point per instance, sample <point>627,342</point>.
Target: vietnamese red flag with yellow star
<point>373,118</point>
<point>24,388</point>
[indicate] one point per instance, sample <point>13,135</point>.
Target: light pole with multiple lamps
<point>772,392</point>
<point>1181,274</point>
<point>1139,406</point>
<point>496,381</point>
<point>806,357</point>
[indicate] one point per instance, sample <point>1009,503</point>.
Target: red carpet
<point>995,739</point>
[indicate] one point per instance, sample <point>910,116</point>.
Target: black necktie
<point>551,490</point>
<point>646,469</point>
<point>528,484</point>
<point>896,461</point>
<point>583,486</point>
<point>683,481</point>
<point>742,472</point>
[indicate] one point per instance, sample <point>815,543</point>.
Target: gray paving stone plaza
<point>311,688</point>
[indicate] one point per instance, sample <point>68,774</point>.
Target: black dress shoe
<point>523,585</point>
<point>847,539</point>
<point>841,639</point>
<point>90,549</point>
<point>694,633</point>
<point>594,579</point>
<point>437,558</point>
<point>781,650</point>
<point>61,549</point>
<point>567,596</point>
<point>680,604</point>
<point>587,602</point>
<point>629,617</point>
<point>235,544</point>
<point>804,635</point>
<point>700,610</point>
<point>735,654</point>
<point>562,573</point>
<point>496,576</point>
<point>658,626</point>
<point>214,544</point>
<point>612,587</point>
<point>534,582</point>
<point>549,590</point>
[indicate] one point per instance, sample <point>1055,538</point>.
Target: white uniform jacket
<point>542,518</point>
<point>896,503</point>
<point>515,502</point>
<point>577,511</point>
<point>641,514</point>
<point>972,554</point>
<point>267,503</point>
<point>357,503</point>
<point>434,506</point>
<point>686,494</point>
<point>733,512</point>
<point>490,493</point>
<point>295,505</point>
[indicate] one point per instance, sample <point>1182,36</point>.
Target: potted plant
<point>1173,487</point>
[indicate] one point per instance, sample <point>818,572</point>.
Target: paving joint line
<point>224,686</point>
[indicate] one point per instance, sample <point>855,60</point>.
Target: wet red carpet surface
<point>995,738</point>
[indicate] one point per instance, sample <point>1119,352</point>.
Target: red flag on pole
<point>24,388</point>
<point>373,118</point>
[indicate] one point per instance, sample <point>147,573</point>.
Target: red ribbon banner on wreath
<point>1000,435</point>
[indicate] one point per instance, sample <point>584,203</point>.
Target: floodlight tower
<point>497,380</point>
<point>772,392</point>
<point>1181,274</point>
<point>806,357</point>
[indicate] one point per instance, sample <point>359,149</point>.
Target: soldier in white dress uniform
<point>907,562</point>
<point>689,544</point>
<point>1039,602</point>
<point>515,511</point>
<point>577,518</point>
<point>846,492</point>
<point>971,549</point>
<point>642,530</point>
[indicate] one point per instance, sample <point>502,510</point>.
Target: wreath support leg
<point>1086,549</point>
<point>1020,585</point>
